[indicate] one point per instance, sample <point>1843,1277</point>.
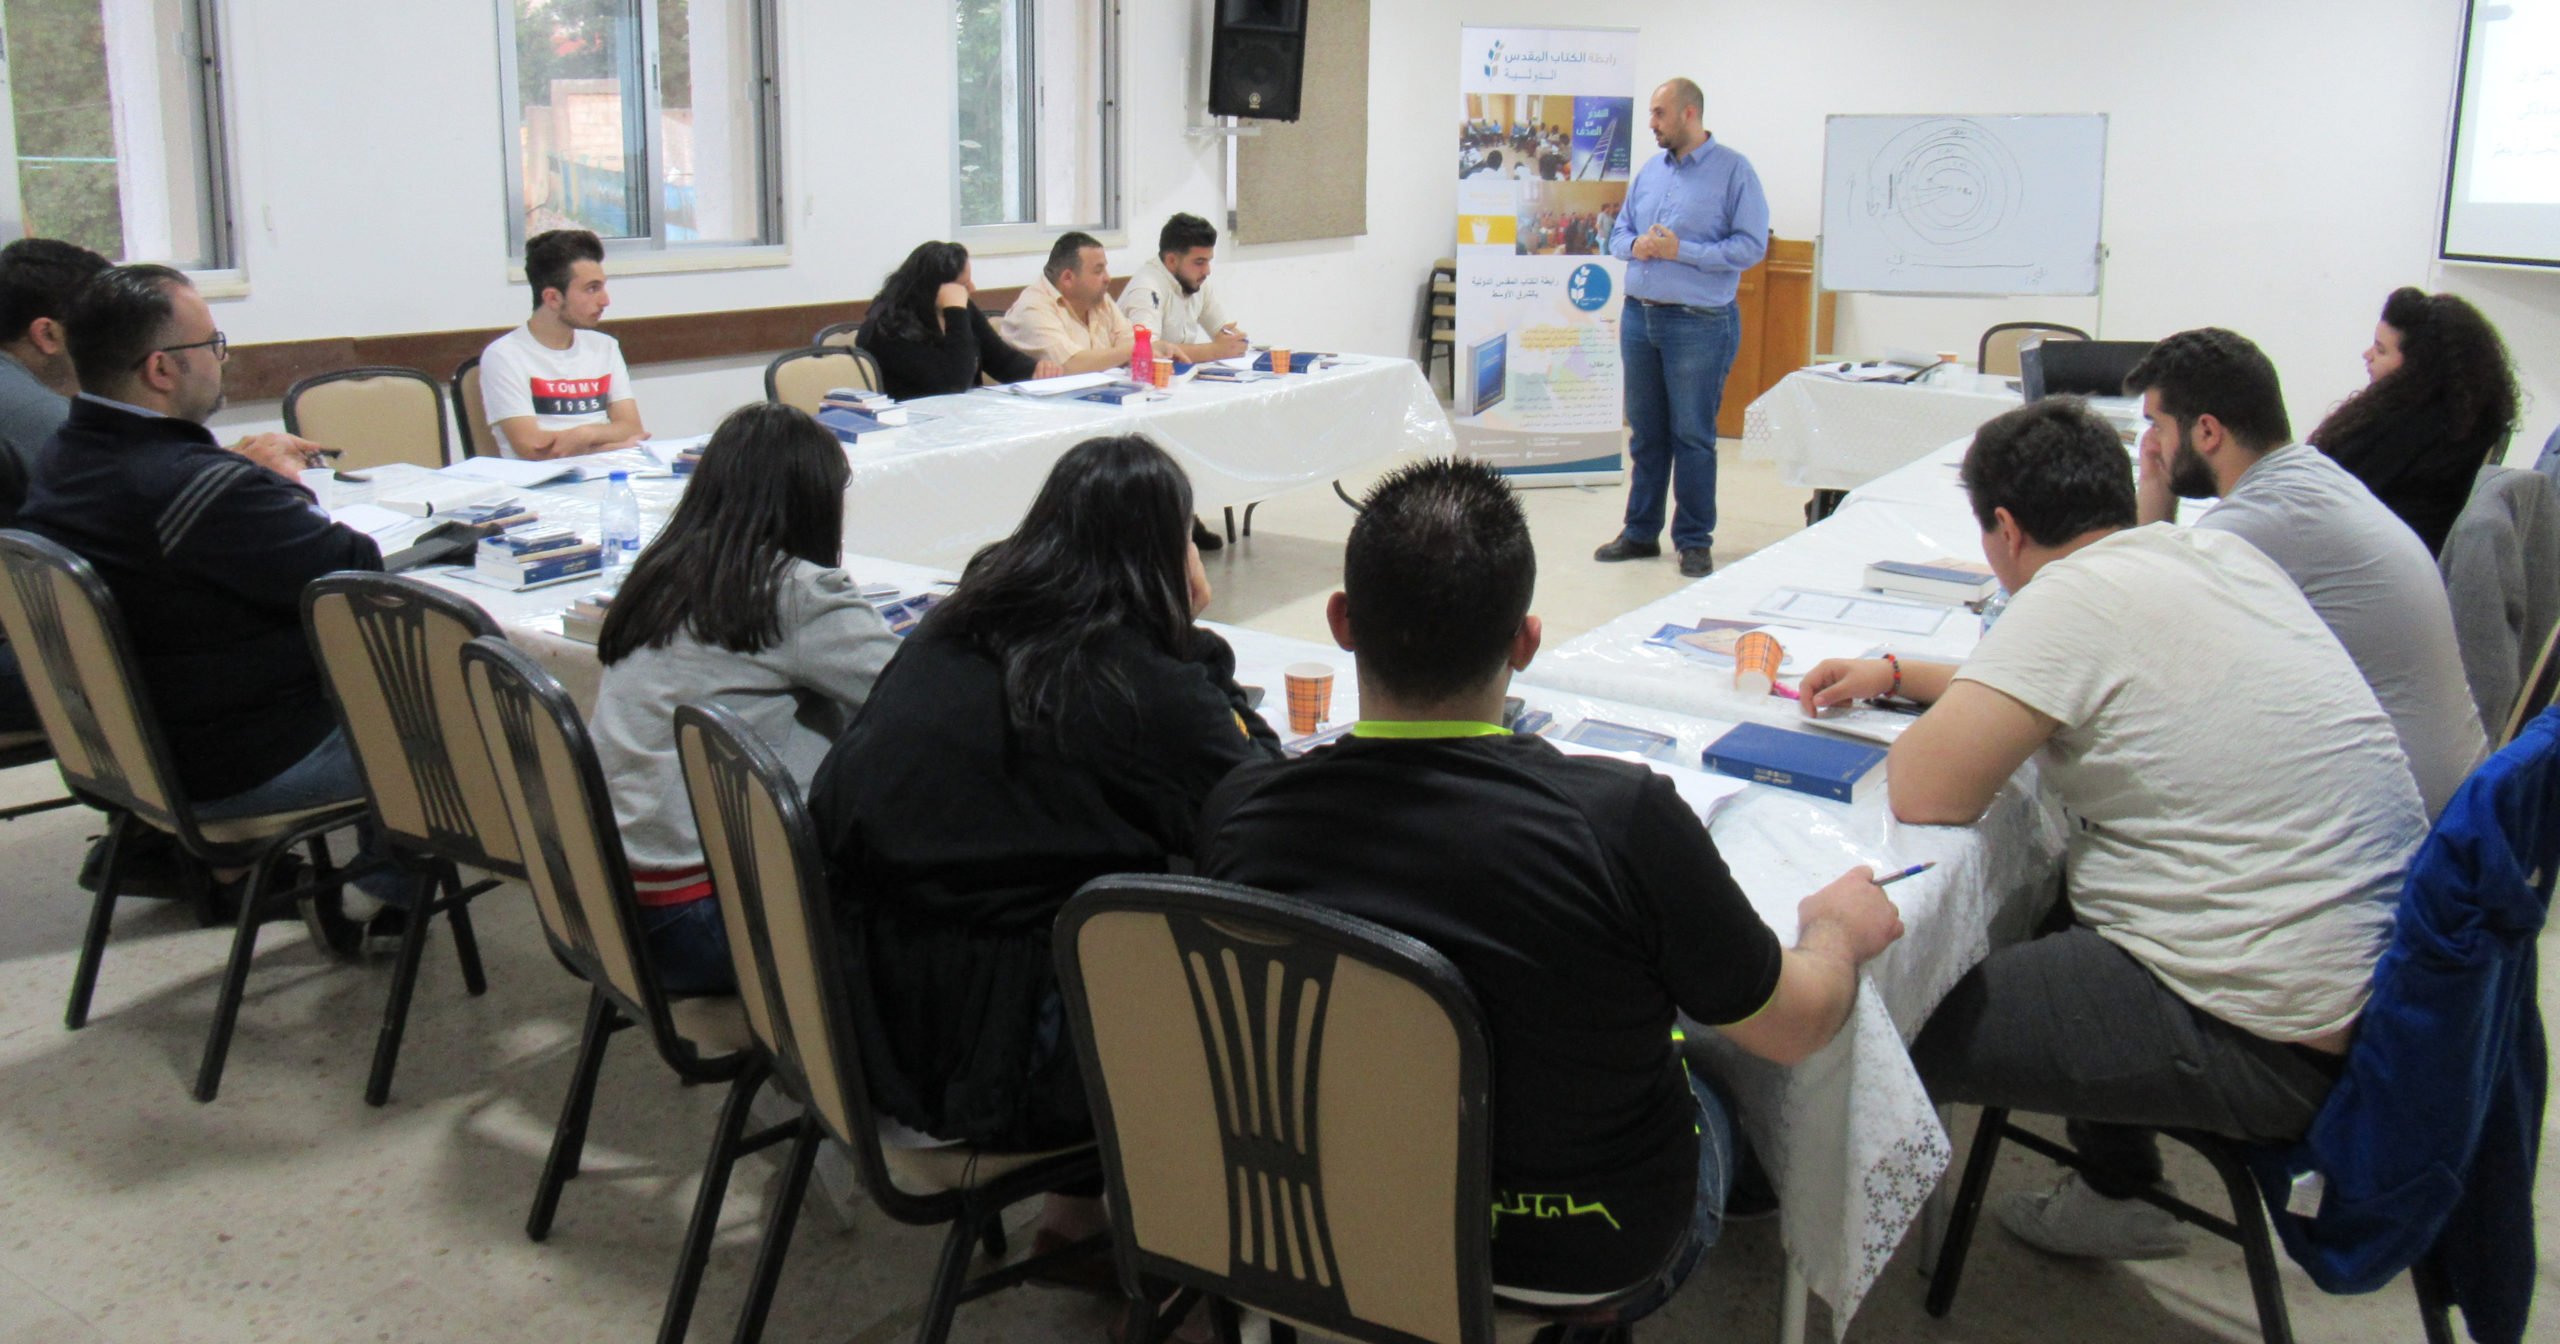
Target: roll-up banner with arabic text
<point>1546,135</point>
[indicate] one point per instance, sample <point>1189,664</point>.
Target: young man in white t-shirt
<point>556,386</point>
<point>2241,816</point>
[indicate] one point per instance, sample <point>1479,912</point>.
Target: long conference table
<point>1849,1136</point>
<point>934,491</point>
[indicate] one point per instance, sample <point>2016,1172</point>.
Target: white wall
<point>2273,166</point>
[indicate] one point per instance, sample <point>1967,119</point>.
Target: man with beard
<point>2240,816</point>
<point>2218,429</point>
<point>207,550</point>
<point>1170,295</point>
<point>1695,220</point>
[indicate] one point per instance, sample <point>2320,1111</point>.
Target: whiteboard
<point>1963,205</point>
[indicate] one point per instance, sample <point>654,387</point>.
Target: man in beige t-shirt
<point>1067,314</point>
<point>2241,818</point>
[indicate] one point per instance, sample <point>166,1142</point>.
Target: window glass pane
<point>1032,120</point>
<point>107,119</point>
<point>577,67</point>
<point>711,121</point>
<point>994,155</point>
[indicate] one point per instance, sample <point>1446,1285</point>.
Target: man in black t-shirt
<point>1582,900</point>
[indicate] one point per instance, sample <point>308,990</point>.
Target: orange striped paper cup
<point>1310,690</point>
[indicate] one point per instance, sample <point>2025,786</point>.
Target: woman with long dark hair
<point>928,334</point>
<point>2440,403</point>
<point>739,602</point>
<point>1056,718</point>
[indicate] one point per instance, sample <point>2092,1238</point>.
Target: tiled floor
<point>288,1210</point>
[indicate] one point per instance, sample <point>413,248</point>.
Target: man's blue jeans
<point>1676,360</point>
<point>328,775</point>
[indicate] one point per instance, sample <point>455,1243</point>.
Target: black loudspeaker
<point>1257,58</point>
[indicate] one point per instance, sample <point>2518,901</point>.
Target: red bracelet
<point>1896,665</point>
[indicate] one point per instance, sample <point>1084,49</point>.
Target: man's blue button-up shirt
<point>1711,200</point>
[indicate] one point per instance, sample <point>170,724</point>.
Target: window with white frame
<point>651,122</point>
<point>1037,139</point>
<point>114,116</point>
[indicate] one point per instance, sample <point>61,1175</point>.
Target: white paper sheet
<point>1901,618</point>
<point>520,473</point>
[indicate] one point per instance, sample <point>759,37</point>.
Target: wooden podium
<point>1778,310</point>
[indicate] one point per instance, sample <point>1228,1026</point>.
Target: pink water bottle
<point>1142,353</point>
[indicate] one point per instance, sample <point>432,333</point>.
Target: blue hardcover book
<point>1300,361</point>
<point>851,425</point>
<point>1824,766</point>
<point>1118,393</point>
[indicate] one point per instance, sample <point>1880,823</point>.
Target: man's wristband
<point>1896,688</point>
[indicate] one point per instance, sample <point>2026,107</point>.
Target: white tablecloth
<point>934,492</point>
<point>1850,1135</point>
<point>1827,433</point>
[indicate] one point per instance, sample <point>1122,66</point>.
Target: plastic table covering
<point>1827,433</point>
<point>934,492</point>
<point>1850,1136</point>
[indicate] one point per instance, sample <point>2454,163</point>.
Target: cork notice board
<point>1310,178</point>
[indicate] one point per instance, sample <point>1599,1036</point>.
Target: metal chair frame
<point>519,693</point>
<point>469,419</point>
<point>428,744</point>
<point>30,561</point>
<point>436,395</point>
<point>862,359</point>
<point>734,766</point>
<point>2246,1227</point>
<point>1264,924</point>
<point>1982,348</point>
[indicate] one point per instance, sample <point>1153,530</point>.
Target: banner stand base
<point>1608,469</point>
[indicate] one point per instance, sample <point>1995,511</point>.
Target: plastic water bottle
<point>621,521</point>
<point>1992,606</point>
<point>1142,354</point>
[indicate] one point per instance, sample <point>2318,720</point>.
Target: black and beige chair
<point>1438,328</point>
<point>1293,1109</point>
<point>471,414</point>
<point>837,333</point>
<point>374,416</point>
<point>80,672</point>
<point>28,748</point>
<point>1998,352</point>
<point>783,936</point>
<point>803,377</point>
<point>556,803</point>
<point>390,653</point>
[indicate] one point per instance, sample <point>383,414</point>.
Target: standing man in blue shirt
<point>1694,222</point>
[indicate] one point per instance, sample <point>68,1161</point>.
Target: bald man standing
<point>1694,222</point>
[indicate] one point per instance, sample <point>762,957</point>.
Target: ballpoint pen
<point>1913,871</point>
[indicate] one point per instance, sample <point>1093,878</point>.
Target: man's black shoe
<point>1627,548</point>
<point>1697,562</point>
<point>1203,538</point>
<point>154,865</point>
